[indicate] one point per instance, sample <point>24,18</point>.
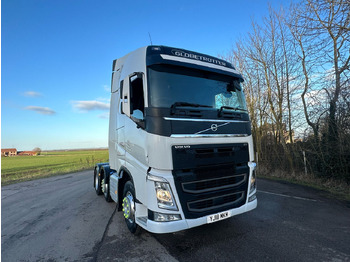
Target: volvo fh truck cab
<point>180,145</point>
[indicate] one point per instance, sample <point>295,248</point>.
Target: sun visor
<point>181,57</point>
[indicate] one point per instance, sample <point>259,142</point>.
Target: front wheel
<point>129,208</point>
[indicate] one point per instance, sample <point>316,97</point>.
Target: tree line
<point>296,69</point>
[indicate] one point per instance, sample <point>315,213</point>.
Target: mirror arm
<point>139,122</point>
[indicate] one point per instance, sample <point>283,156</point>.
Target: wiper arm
<point>229,107</point>
<point>176,104</point>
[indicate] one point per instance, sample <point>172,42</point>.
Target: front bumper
<point>174,226</point>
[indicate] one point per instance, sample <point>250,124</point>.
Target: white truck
<point>180,145</point>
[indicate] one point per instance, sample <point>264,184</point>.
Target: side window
<point>125,98</point>
<point>137,101</point>
<point>121,88</point>
<point>133,101</point>
<point>121,96</point>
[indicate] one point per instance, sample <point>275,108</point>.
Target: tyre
<point>129,207</point>
<point>105,187</point>
<point>97,183</point>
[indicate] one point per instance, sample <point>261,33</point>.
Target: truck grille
<point>210,178</point>
<point>208,185</point>
<point>215,202</point>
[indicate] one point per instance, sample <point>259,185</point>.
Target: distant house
<point>9,152</point>
<point>27,153</point>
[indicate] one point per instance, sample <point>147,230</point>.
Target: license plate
<point>218,217</point>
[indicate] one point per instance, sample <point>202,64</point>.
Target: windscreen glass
<point>172,84</point>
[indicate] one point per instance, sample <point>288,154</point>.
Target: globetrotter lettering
<point>198,57</point>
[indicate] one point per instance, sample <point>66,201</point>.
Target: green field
<point>23,168</point>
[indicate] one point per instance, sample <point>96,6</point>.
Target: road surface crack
<point>99,244</point>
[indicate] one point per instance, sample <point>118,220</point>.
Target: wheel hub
<point>129,207</point>
<point>96,182</point>
<point>103,186</point>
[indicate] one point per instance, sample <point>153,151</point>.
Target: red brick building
<point>28,153</point>
<point>9,152</point>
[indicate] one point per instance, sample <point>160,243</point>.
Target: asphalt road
<point>62,219</point>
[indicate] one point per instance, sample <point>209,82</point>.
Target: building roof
<point>28,153</point>
<point>8,149</point>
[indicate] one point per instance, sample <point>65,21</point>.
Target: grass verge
<point>24,168</point>
<point>331,187</point>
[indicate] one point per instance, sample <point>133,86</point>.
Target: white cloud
<point>41,110</point>
<point>330,74</point>
<point>90,105</point>
<point>32,94</point>
<point>104,115</point>
<point>316,97</point>
<point>102,99</point>
<point>107,88</point>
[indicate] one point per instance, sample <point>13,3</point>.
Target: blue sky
<point>56,58</point>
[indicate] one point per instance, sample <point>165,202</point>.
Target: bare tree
<point>321,32</point>
<point>297,64</point>
<point>332,18</point>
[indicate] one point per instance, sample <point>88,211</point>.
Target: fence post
<point>305,163</point>
<point>257,161</point>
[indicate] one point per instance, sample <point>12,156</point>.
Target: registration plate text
<point>218,217</point>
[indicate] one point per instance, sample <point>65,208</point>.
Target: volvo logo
<point>213,128</point>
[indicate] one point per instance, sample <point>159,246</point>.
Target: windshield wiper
<point>230,108</point>
<point>176,104</point>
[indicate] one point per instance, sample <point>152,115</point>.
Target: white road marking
<point>282,195</point>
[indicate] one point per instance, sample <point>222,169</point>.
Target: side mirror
<point>230,87</point>
<point>137,115</point>
<point>138,118</point>
<point>233,86</point>
<point>226,95</point>
<point>237,85</point>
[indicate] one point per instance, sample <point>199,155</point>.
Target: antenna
<point>150,39</point>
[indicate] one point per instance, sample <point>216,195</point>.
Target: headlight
<point>164,195</point>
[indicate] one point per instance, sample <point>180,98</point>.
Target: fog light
<point>160,217</point>
<point>252,198</point>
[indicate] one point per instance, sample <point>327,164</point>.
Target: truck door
<point>120,125</point>
<point>134,108</point>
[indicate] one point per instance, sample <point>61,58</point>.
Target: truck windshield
<point>172,84</point>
